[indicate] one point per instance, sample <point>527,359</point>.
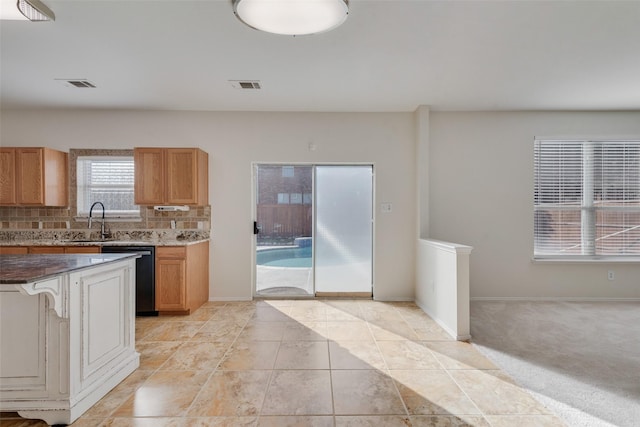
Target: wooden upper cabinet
<point>171,176</point>
<point>7,176</point>
<point>149,176</point>
<point>34,177</point>
<point>187,176</point>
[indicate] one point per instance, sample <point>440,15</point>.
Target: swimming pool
<point>285,257</point>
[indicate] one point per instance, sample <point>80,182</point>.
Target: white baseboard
<point>558,299</point>
<point>236,299</point>
<point>442,324</point>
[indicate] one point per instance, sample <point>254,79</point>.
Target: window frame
<point>288,171</point>
<point>113,216</point>
<point>284,199</point>
<point>589,208</point>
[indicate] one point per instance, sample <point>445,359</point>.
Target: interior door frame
<point>254,217</point>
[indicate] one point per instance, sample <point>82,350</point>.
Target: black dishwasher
<point>145,277</point>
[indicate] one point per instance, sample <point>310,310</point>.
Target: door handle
<point>256,229</point>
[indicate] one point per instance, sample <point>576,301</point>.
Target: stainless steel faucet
<point>103,233</point>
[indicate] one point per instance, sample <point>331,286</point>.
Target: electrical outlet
<point>611,275</point>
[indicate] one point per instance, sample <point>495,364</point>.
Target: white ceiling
<point>389,55</point>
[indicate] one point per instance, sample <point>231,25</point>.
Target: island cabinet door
<point>23,344</point>
<point>102,317</point>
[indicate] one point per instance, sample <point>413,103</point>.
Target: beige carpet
<point>580,359</point>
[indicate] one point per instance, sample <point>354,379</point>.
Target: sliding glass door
<point>343,230</point>
<point>314,230</point>
<point>284,224</point>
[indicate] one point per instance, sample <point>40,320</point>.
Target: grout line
<point>214,370</point>
<point>388,371</point>
<point>467,395</point>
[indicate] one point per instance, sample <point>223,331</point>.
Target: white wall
<point>481,194</point>
<point>480,184</point>
<point>234,141</point>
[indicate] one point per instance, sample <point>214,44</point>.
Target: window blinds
<point>109,180</point>
<point>586,198</point>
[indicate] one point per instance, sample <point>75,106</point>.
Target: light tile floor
<point>308,363</point>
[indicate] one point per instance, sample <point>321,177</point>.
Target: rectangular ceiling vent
<point>80,83</point>
<point>245,84</point>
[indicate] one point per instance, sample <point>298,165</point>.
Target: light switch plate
<point>386,207</point>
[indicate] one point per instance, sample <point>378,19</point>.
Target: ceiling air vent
<point>81,83</point>
<point>245,84</point>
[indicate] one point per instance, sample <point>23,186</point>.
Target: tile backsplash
<point>24,218</point>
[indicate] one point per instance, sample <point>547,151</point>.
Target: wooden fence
<point>284,221</point>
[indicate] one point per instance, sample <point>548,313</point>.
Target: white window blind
<point>586,198</point>
<point>106,179</point>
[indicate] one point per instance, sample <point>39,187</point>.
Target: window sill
<point>595,260</point>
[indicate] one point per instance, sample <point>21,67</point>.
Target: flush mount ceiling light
<point>292,17</point>
<point>35,10</point>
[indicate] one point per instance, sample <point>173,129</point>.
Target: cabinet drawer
<point>13,250</point>
<point>171,251</point>
<point>46,249</point>
<point>82,249</point>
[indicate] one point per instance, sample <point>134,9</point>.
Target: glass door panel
<point>344,229</point>
<point>284,221</point>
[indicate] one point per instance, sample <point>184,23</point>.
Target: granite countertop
<point>19,269</point>
<point>119,238</point>
<point>163,242</point>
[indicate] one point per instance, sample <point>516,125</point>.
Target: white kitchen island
<point>67,332</point>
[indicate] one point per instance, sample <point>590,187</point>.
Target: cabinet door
<point>30,176</point>
<point>56,178</point>
<point>24,345</point>
<point>7,176</point>
<point>170,284</point>
<point>182,179</point>
<point>82,249</point>
<point>150,180</point>
<point>46,249</point>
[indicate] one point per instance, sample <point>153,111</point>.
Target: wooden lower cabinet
<point>182,277</point>
<point>13,250</point>
<point>21,250</point>
<point>171,279</point>
<point>82,249</point>
<point>64,250</point>
<point>46,249</point>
